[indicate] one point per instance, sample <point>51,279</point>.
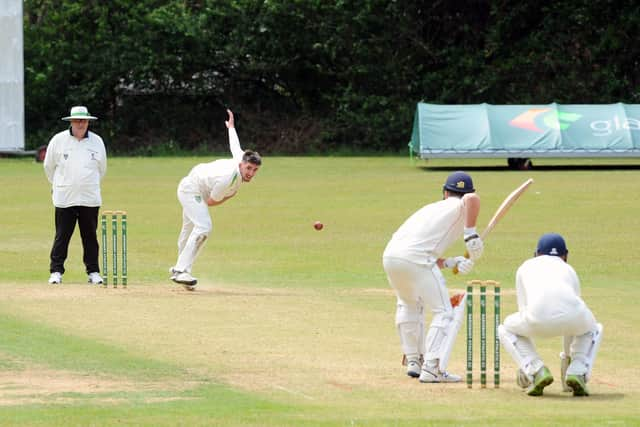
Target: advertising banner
<point>551,130</point>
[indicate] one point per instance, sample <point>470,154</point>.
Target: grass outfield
<point>293,326</point>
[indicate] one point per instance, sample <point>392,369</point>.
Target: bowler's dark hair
<point>252,157</point>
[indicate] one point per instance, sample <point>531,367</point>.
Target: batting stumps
<point>482,285</point>
<point>114,216</point>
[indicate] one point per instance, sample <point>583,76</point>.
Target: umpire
<point>75,163</point>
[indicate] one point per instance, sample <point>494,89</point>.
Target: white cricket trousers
<point>577,326</point>
<point>418,286</point>
<point>196,227</point>
<point>576,323</point>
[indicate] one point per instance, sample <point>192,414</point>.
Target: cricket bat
<point>501,212</point>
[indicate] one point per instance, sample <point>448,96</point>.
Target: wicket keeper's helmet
<point>551,244</point>
<point>459,182</point>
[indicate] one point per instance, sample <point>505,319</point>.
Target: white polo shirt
<point>75,169</point>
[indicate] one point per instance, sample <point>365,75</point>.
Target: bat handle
<point>455,269</point>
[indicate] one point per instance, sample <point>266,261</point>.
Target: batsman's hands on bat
<point>461,264</point>
<point>475,246</point>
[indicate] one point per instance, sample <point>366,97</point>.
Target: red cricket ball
<point>318,225</point>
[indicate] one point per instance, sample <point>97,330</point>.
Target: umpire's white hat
<point>79,113</point>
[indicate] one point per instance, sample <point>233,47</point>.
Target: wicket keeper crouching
<point>412,263</point>
<point>549,304</point>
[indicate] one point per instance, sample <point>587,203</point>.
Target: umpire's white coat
<point>75,169</point>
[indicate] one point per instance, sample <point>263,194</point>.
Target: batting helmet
<point>551,244</point>
<point>459,182</point>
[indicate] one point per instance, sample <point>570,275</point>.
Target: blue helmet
<point>551,244</point>
<point>459,182</point>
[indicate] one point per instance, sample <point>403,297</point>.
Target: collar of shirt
<point>86,134</point>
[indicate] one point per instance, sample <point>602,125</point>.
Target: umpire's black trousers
<point>66,218</point>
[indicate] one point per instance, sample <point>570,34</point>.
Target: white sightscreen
<point>11,76</point>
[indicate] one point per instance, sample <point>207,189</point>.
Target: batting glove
<point>475,246</point>
<point>464,264</point>
<point>450,262</point>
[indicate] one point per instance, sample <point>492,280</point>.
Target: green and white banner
<point>552,130</point>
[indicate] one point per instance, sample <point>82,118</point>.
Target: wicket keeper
<point>549,304</point>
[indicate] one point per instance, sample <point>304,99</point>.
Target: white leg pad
<point>584,349</point>
<point>411,339</point>
<point>410,325</point>
<point>521,350</point>
<point>451,332</point>
<point>436,335</point>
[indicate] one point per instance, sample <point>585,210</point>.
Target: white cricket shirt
<point>217,179</point>
<point>547,289</point>
<point>427,233</point>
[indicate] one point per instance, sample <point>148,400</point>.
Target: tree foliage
<point>309,76</point>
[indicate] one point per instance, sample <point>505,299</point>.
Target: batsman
<point>413,261</point>
<point>549,304</point>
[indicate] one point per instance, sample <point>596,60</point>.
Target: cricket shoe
<point>413,368</point>
<point>94,278</point>
<point>437,376</point>
<point>173,272</point>
<point>55,278</point>
<point>578,385</point>
<point>185,279</point>
<point>541,379</point>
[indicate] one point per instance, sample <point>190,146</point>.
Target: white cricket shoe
<point>94,278</point>
<point>436,376</point>
<point>55,278</point>
<point>413,368</point>
<point>173,272</point>
<point>185,279</point>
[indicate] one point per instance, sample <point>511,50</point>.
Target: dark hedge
<point>312,76</point>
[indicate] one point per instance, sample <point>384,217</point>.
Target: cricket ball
<point>318,225</point>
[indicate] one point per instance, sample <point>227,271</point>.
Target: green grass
<point>291,326</point>
<point>44,345</point>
